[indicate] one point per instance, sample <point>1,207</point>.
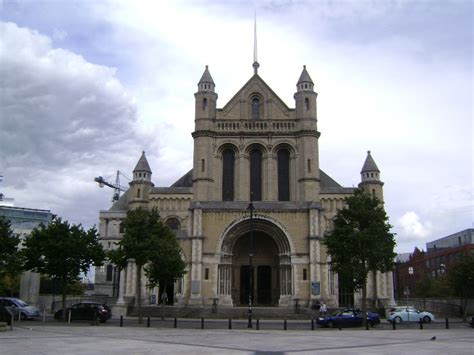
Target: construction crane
<point>116,186</point>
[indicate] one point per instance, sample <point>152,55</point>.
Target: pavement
<point>36,337</point>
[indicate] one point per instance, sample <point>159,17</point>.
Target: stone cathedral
<point>255,149</point>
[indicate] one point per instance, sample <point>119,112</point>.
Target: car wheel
<point>426,319</point>
<point>397,320</point>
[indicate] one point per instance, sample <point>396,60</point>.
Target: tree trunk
<point>464,309</point>
<point>163,300</point>
<point>364,304</point>
<point>138,286</point>
<point>63,301</point>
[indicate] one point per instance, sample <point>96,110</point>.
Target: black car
<point>348,318</point>
<point>92,311</point>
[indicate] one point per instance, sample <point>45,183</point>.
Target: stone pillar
<point>120,299</point>
<point>314,253</point>
<point>196,258</point>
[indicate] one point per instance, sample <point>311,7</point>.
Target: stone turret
<point>370,178</point>
<point>141,184</point>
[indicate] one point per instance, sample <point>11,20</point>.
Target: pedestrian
<point>323,309</point>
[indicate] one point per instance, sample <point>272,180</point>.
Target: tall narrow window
<point>309,165</point>
<point>228,157</point>
<point>255,109</point>
<point>110,270</point>
<point>306,104</point>
<point>138,193</point>
<point>283,175</point>
<point>256,174</point>
<point>203,165</point>
<point>204,104</point>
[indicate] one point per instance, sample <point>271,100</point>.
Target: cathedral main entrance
<point>267,278</point>
<point>260,279</point>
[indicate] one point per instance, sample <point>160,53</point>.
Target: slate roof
<point>142,164</point>
<point>206,77</point>
<point>369,164</point>
<point>184,181</point>
<point>121,204</point>
<point>304,77</point>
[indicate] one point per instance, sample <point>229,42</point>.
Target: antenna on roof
<point>255,62</point>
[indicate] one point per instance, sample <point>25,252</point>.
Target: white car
<point>409,314</point>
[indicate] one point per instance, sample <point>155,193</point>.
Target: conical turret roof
<point>142,164</point>
<point>369,164</point>
<point>304,77</point>
<point>206,77</point>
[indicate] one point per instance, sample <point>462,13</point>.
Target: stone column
<point>196,258</point>
<point>120,300</point>
<point>314,252</point>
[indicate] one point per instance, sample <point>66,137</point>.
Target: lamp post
<point>410,274</point>
<point>251,208</point>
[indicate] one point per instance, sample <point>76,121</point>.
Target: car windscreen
<point>21,303</point>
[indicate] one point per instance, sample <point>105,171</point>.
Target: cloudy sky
<point>87,85</point>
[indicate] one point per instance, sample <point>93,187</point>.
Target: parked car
<point>348,318</point>
<point>409,314</point>
<point>20,308</point>
<point>86,311</point>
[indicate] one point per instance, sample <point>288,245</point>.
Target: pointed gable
<point>238,106</point>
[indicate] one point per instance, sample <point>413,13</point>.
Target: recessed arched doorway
<point>271,283</point>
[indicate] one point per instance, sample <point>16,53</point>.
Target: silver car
<point>409,314</point>
<point>20,308</point>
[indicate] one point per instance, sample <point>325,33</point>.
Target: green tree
<point>62,251</point>
<point>166,264</point>
<point>142,229</point>
<point>461,279</point>
<point>360,242</point>
<point>11,262</point>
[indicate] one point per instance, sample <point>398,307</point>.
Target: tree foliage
<point>11,262</point>
<point>360,241</point>
<point>147,240</point>
<point>166,264</point>
<point>461,279</point>
<point>62,251</point>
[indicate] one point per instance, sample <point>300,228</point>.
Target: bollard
<point>367,324</point>
<point>394,325</point>
<point>44,315</point>
<point>284,325</point>
<point>121,321</point>
<point>202,323</point>
<point>175,323</point>
<point>148,322</point>
<point>69,317</point>
<point>230,323</point>
<point>421,323</point>
<point>258,324</point>
<point>447,323</point>
<point>312,324</point>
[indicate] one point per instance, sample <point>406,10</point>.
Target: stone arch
<point>233,268</point>
<point>285,145</point>
<point>227,145</point>
<point>262,223</point>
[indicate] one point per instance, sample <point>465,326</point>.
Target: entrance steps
<point>223,312</point>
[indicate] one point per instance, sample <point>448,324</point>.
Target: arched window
<point>173,224</point>
<point>283,175</point>
<point>204,104</point>
<point>138,193</point>
<point>306,104</point>
<point>255,109</point>
<point>228,158</point>
<point>256,174</point>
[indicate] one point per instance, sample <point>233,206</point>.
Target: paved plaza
<point>85,339</point>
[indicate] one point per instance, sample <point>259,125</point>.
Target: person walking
<point>323,309</point>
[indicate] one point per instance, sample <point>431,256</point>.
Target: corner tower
<point>141,184</point>
<point>205,114</point>
<point>370,178</point>
<point>306,114</point>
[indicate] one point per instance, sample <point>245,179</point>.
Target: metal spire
<point>255,62</point>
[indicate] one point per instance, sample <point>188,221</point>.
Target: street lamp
<point>410,274</point>
<point>250,208</point>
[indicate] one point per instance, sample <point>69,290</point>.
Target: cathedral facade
<point>252,214</point>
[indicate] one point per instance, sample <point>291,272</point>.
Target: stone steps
<point>224,312</point>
